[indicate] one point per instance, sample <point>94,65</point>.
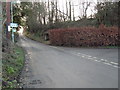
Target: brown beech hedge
<point>84,36</point>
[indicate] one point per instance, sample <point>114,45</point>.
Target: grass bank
<point>36,38</point>
<point>12,67</point>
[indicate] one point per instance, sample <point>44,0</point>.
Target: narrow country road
<point>63,67</point>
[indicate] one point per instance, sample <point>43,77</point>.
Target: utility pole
<point>1,18</point>
<point>8,18</point>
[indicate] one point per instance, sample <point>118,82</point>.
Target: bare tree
<point>44,13</point>
<point>73,13</point>
<point>60,14</point>
<point>48,10</point>
<point>70,11</point>
<point>66,10</point>
<point>56,16</point>
<point>85,8</point>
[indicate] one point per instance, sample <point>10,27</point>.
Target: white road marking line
<point>107,63</point>
<point>93,58</point>
<point>114,63</point>
<point>102,59</point>
<point>97,60</point>
<point>83,56</point>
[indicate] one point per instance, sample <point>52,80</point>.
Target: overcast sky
<point>77,8</point>
<point>62,5</point>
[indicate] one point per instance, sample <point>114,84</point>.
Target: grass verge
<point>36,38</point>
<point>12,67</point>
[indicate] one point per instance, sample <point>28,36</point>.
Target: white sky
<point>78,9</point>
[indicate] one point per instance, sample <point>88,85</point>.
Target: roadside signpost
<point>9,28</point>
<point>13,26</point>
<point>14,30</point>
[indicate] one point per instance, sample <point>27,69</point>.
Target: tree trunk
<point>70,11</point>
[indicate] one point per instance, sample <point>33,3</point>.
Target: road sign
<point>9,28</point>
<point>14,25</point>
<point>14,30</point>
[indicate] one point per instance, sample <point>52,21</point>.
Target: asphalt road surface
<point>63,67</point>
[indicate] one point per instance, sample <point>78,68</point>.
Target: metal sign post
<point>13,36</point>
<point>14,26</point>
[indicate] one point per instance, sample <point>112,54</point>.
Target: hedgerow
<point>85,36</point>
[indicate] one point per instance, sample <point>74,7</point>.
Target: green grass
<point>12,65</point>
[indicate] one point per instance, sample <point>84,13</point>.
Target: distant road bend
<point>65,67</point>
